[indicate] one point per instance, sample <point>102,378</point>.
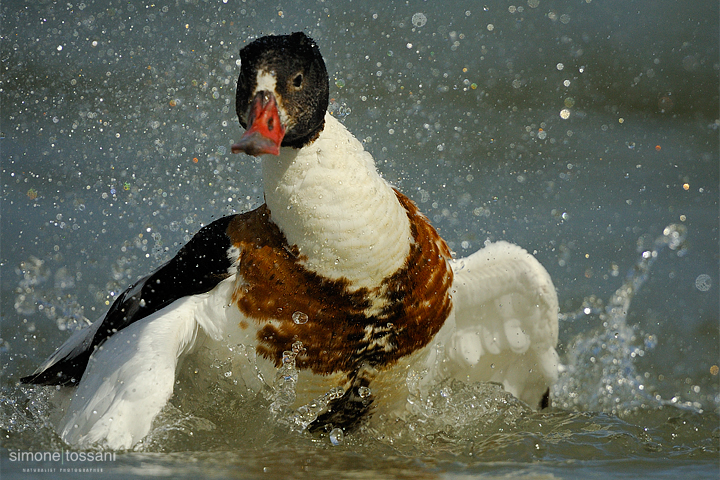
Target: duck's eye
<point>297,81</point>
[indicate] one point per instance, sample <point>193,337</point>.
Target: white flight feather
<point>130,378</point>
<point>506,321</point>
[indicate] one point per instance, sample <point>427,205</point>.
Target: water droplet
<point>703,282</point>
<point>300,318</point>
<point>419,19</point>
<point>337,437</point>
<point>297,347</point>
<point>335,393</point>
<point>364,392</point>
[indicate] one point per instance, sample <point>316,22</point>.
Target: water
<point>586,133</point>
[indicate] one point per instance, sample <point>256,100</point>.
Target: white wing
<point>506,322</point>
<point>130,378</point>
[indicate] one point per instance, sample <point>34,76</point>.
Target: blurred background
<point>578,130</point>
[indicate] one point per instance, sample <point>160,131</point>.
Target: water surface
<point>587,133</point>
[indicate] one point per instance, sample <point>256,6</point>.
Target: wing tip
<point>49,378</point>
<point>64,372</point>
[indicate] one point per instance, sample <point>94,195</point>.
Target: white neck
<point>330,201</point>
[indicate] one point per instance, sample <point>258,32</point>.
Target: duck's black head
<point>282,93</point>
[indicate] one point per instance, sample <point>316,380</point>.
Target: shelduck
<point>337,266</point>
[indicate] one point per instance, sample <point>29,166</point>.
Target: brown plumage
<point>343,330</point>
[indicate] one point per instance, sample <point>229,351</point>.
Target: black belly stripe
<point>351,410</point>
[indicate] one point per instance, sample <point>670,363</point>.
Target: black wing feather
<point>200,265</point>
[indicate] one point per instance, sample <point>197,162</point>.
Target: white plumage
<point>506,328</point>
<point>330,201</point>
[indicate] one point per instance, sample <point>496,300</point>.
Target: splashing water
<point>455,405</point>
<point>285,385</point>
<point>601,374</point>
<point>284,393</point>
